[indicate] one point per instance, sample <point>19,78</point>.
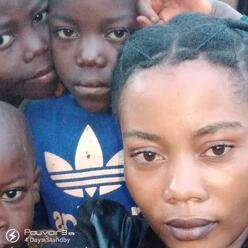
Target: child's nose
<point>35,45</point>
<point>91,54</point>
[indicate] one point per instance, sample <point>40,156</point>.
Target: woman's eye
<point>12,195</point>
<point>67,34</point>
<point>118,35</point>
<point>5,40</point>
<point>218,150</point>
<point>147,156</point>
<point>40,17</point>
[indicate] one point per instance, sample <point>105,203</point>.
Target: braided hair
<point>185,37</point>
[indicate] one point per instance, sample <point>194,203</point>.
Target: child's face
<point>185,138</point>
<point>86,37</point>
<point>26,69</point>
<point>18,187</point>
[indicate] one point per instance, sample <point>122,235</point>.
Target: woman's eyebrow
<point>214,127</point>
<point>140,135</point>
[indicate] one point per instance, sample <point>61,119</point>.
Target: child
<point>77,140</point>
<point>78,143</point>
<point>26,68</point>
<point>18,178</point>
<point>181,99</point>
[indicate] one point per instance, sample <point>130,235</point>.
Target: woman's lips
<point>190,229</point>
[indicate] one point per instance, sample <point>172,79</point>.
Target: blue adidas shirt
<point>80,155</point>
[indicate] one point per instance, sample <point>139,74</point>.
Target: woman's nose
<point>186,181</point>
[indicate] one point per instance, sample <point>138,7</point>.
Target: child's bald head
<point>18,179</point>
<point>15,138</point>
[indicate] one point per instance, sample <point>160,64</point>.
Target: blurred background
<point>240,5</point>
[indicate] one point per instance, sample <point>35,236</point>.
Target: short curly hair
<point>186,37</point>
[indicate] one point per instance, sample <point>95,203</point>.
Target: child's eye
<point>118,35</point>
<point>12,195</point>
<point>67,34</point>
<point>147,157</point>
<point>218,150</point>
<point>40,17</point>
<point>5,40</point>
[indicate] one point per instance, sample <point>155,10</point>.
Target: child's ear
<point>36,184</point>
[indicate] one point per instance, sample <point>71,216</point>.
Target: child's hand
<point>158,11</point>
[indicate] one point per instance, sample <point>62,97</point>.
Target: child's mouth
<point>92,88</point>
<point>44,76</point>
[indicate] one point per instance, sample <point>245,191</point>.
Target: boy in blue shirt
<point>78,144</point>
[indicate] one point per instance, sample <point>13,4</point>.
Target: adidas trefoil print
<point>80,156</point>
<point>90,173</point>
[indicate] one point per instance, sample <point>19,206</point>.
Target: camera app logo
<point>12,236</point>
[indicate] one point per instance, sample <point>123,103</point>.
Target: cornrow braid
<point>185,37</point>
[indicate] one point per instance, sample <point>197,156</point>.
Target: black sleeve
<point>104,224</point>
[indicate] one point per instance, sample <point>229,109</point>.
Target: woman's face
<point>185,135</point>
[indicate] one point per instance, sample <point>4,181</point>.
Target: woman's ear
<point>36,185</point>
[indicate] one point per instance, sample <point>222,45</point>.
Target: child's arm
<point>154,11</point>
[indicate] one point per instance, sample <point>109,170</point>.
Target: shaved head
<point>15,137</point>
